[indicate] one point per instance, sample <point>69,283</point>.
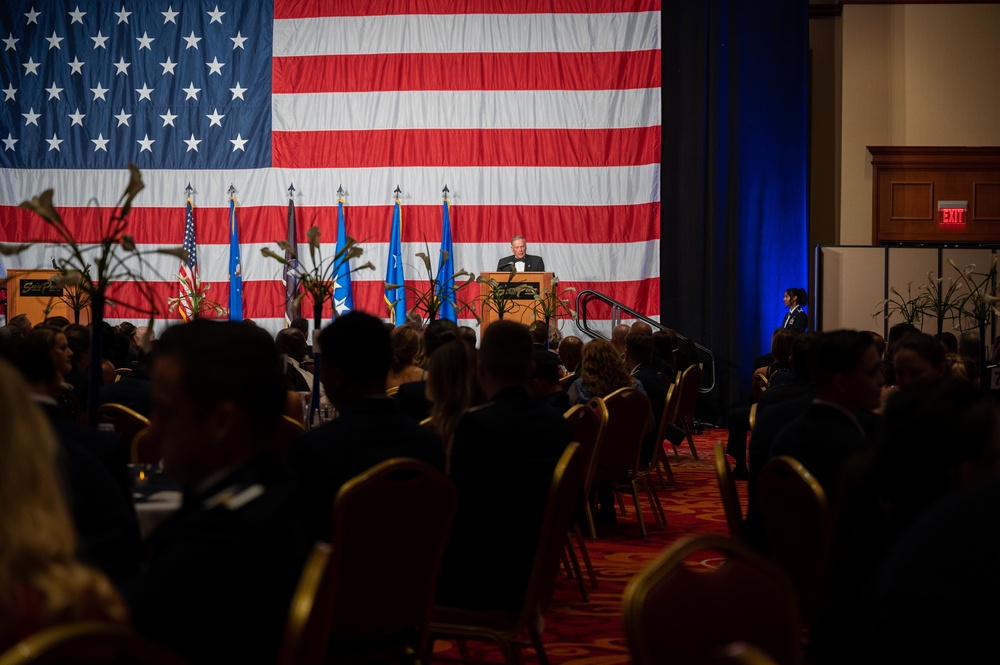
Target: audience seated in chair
<point>44,582</point>
<point>93,465</point>
<point>571,353</point>
<point>219,573</point>
<point>938,440</point>
<point>507,447</point>
<point>544,382</point>
<point>134,389</point>
<point>411,397</point>
<point>371,428</point>
<point>848,377</point>
<point>452,388</point>
<point>407,345</point>
<point>639,363</point>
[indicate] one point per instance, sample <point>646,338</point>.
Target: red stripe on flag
<point>613,70</point>
<point>582,148</point>
<point>268,224</point>
<point>266,299</point>
<point>285,9</point>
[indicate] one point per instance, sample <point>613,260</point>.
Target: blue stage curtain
<point>734,225</point>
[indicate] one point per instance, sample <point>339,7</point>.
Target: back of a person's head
<point>115,345</point>
<point>837,351</point>
<point>539,332</point>
<point>801,358</point>
<point>22,323</point>
<point>357,344</point>
<point>468,335</point>
<point>506,351</point>
<point>301,324</point>
<point>30,355</point>
<point>923,345</point>
<point>451,377</point>
<point>405,343</point>
<point>292,343</point>
<point>781,345</point>
<point>878,341</point>
<point>898,330</point>
<point>619,332</point>
<point>948,341</point>
<point>639,347</point>
<point>968,344</point>
<point>641,327</point>
<point>58,322</point>
<point>39,542</point>
<point>228,361</point>
<point>602,369</point>
<point>546,367</point>
<point>571,351</point>
<point>438,332</point>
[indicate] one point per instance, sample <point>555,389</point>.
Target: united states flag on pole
<point>189,269</point>
<point>543,116</point>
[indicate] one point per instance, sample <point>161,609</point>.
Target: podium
<point>30,292</point>
<point>524,305</point>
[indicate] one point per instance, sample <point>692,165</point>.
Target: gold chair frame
<point>89,643</point>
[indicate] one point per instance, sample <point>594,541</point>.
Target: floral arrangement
<point>440,289</point>
<point>88,270</point>
<point>319,280</point>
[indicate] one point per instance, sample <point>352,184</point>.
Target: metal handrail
<point>585,296</point>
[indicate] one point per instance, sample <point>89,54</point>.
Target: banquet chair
<point>145,449</point>
<point>587,422</point>
<point>688,386</point>
<point>677,611</point>
<point>310,616</point>
<point>798,525</point>
<point>727,490</point>
<point>753,416</point>
<point>127,422</point>
<point>660,459</point>
<point>389,529</point>
<point>88,643</point>
<point>618,460</point>
<point>506,628</point>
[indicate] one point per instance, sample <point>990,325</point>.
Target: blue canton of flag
<point>235,269</point>
<point>395,298</point>
<point>343,294</point>
<point>110,83</point>
<point>446,268</point>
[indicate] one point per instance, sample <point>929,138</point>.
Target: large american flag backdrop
<point>541,116</point>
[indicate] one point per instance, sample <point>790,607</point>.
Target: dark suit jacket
<point>220,573</point>
<point>366,432</point>
<point>531,263</point>
<point>502,461</point>
<point>412,400</point>
<point>796,319</point>
<point>132,390</point>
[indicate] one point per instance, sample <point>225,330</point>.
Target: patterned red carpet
<point>592,633</point>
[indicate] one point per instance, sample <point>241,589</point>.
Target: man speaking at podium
<point>520,259</point>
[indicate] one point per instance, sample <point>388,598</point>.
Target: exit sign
<point>953,212</point>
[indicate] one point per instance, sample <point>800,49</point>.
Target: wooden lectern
<point>524,305</point>
<point>30,292</point>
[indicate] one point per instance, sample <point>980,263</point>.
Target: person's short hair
<point>923,345</point>
<point>302,324</point>
<point>506,352</point>
<point>59,322</point>
<point>641,327</point>
<point>968,344</point>
<point>228,361</point>
<point>546,366</point>
<point>948,341</point>
<point>515,238</point>
<point>22,323</point>
<point>837,351</point>
<point>898,330</point>
<point>31,357</point>
<point>878,340</point>
<point>127,328</point>
<point>539,332</point>
<point>571,351</point>
<point>619,332</point>
<point>438,332</point>
<point>292,343</point>
<point>781,345</point>
<point>357,343</point>
<point>639,347</point>
<point>468,335</point>
<point>801,358</point>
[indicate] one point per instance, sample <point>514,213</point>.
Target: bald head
<point>641,327</point>
<point>618,334</point>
